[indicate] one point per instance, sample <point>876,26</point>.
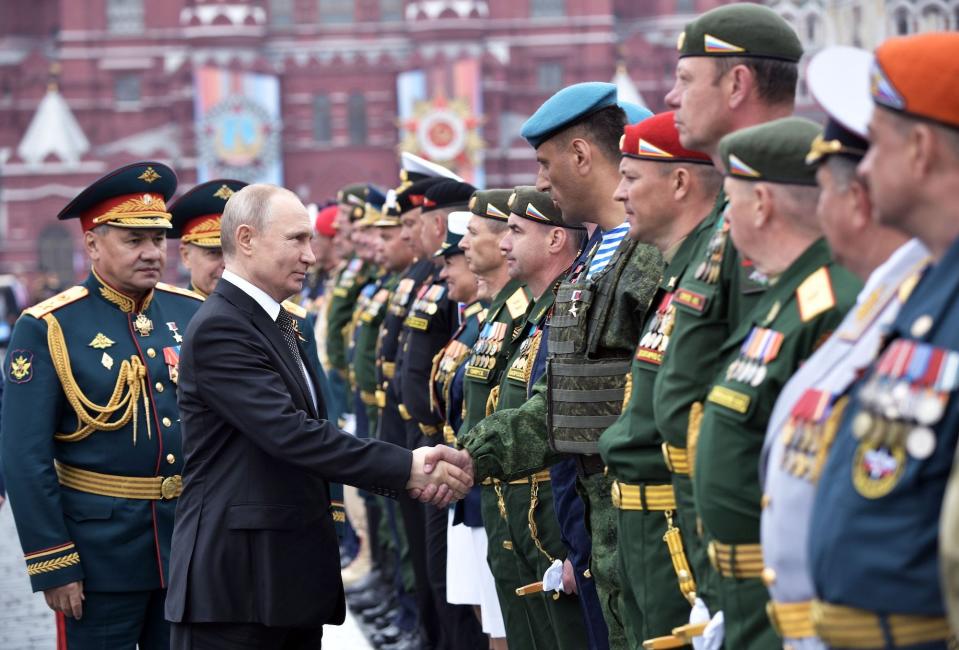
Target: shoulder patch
<point>517,303</point>
<point>473,309</point>
<point>56,302</point>
<point>170,288</point>
<point>295,309</point>
<point>815,295</point>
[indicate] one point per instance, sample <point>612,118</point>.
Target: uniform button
<point>170,458</point>
<point>921,326</point>
<point>151,352</point>
<point>159,387</point>
<point>765,501</point>
<point>166,422</point>
<point>769,576</point>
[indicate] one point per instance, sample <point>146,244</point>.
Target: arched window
<point>55,253</point>
<point>813,28</point>
<point>125,16</point>
<point>901,21</point>
<point>357,119</point>
<point>322,119</point>
<point>933,19</point>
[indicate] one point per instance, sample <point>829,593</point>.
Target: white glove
<point>714,633</point>
<point>553,578</point>
<point>700,614</point>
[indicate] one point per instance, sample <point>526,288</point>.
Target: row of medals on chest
<point>453,355</point>
<point>489,345</point>
<point>428,298</point>
<point>906,396</point>
<point>709,269</point>
<point>760,347</point>
<point>809,431</point>
<point>660,327</point>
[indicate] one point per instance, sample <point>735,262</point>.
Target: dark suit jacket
<point>253,540</point>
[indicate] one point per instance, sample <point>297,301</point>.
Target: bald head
<point>250,207</point>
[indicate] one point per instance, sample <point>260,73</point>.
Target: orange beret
<point>656,138</point>
<point>324,221</point>
<point>917,75</point>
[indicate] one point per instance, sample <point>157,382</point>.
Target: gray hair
<point>248,207</point>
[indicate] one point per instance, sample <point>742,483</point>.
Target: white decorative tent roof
<point>53,130</point>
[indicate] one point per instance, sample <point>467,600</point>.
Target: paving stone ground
<point>27,624</point>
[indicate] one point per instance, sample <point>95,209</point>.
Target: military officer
<point>737,67</point>
<point>595,318</point>
<point>327,257</point>
<point>347,282</point>
<point>771,213</point>
<point>667,191</point>
<point>809,407</point>
<point>874,551</point>
<point>508,303</point>
<point>196,223</point>
<point>540,246</point>
<point>92,435</point>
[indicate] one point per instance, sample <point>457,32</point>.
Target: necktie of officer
<point>288,328</point>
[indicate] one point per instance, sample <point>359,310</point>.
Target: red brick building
<point>112,81</point>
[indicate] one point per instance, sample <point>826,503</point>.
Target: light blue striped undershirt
<point>611,241</point>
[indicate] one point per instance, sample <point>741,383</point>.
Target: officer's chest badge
<point>760,348</point>
<point>905,397</point>
<point>143,325</point>
<point>653,343</point>
<point>877,469</point>
<point>100,342</point>
<point>106,361</point>
<point>809,432</point>
<point>20,366</point>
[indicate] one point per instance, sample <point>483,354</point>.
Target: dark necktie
<point>285,322</point>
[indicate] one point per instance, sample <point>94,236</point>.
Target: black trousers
<point>243,636</point>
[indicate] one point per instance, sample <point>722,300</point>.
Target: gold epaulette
<point>56,302</point>
<point>170,288</point>
<point>295,309</point>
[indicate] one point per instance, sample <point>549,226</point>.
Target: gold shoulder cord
<point>90,416</point>
<point>492,400</point>
<point>692,433</point>
<point>531,518</point>
<point>531,357</point>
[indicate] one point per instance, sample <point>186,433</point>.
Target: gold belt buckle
<point>170,486</point>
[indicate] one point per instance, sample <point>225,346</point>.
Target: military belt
<point>124,487</point>
<point>368,397</point>
<point>540,477</point>
<point>428,429</point>
<point>677,459</point>
<point>643,497</point>
<point>848,627</point>
<point>736,560</point>
<point>389,369</point>
<point>791,620</point>
<point>404,412</point>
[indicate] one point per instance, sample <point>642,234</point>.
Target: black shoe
<point>367,600</point>
<point>373,613</point>
<point>371,580</point>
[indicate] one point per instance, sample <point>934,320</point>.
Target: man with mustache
<point>91,421</point>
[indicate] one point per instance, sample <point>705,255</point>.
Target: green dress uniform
<point>799,311</point>
<point>91,434</point>
<point>499,332</point>
<point>658,585</point>
<point>348,283</point>
<point>366,332</point>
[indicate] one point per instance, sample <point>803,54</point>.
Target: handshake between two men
<point>440,475</point>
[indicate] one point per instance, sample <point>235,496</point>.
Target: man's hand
<point>66,598</point>
<point>440,475</point>
<point>569,580</point>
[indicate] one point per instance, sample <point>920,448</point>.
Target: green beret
<point>493,204</point>
<point>774,152</point>
<point>741,29</point>
<point>529,203</point>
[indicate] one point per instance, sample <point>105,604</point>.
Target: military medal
<point>171,356</point>
<point>143,325</point>
<point>176,335</point>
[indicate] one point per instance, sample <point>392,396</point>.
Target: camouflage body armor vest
<point>586,379</point>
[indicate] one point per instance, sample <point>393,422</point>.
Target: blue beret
<point>567,107</point>
<point>634,112</point>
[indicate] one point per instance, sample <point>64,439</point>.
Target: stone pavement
<point>27,624</point>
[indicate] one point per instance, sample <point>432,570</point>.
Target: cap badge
<point>681,40</point>
<point>715,45</point>
<point>149,175</point>
<point>739,168</point>
<point>223,193</point>
<point>651,150</point>
<point>472,202</point>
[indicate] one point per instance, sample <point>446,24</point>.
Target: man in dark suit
<point>255,560</point>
